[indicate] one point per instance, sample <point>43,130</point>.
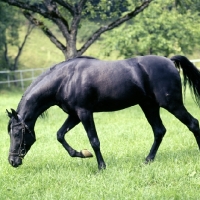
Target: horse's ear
<point>14,114</point>
<point>9,113</point>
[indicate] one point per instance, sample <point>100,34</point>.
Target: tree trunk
<point>71,51</point>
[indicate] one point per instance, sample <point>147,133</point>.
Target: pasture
<point>48,172</point>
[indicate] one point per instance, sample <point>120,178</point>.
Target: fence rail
<point>20,78</point>
<point>23,78</point>
<point>195,61</point>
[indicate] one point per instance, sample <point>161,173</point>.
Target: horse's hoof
<point>102,167</point>
<point>86,153</point>
<point>148,161</point>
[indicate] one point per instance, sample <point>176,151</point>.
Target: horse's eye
<point>16,133</point>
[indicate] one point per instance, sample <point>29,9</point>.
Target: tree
<point>184,5</point>
<point>67,16</point>
<point>10,23</point>
<point>162,29</point>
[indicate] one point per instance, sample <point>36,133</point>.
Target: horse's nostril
<point>11,162</point>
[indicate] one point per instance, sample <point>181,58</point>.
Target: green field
<point>49,173</point>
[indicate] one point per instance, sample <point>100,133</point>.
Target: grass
<point>49,173</point>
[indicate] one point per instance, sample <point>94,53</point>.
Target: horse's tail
<point>191,75</point>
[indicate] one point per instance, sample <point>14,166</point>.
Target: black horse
<point>85,85</point>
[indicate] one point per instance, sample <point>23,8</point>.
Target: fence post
<point>8,79</point>
<point>33,74</point>
<point>22,81</point>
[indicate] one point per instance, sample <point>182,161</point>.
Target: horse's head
<point>21,138</point>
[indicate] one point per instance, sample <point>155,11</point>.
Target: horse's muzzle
<point>15,161</point>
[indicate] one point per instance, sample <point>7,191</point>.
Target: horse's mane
<point>37,80</point>
<point>80,57</point>
<point>88,57</point>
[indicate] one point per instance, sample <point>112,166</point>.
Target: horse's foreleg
<point>152,114</point>
<point>70,122</point>
<point>87,120</point>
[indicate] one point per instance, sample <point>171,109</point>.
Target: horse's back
<point>112,85</point>
<point>105,85</point>
<point>153,62</point>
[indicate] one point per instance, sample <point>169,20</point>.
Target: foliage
<point>161,29</point>
<point>166,27</point>
<point>67,16</point>
<point>104,10</point>
<point>184,5</point>
<point>10,24</point>
<point>7,26</point>
<point>49,173</point>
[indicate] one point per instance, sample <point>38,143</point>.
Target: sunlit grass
<point>49,173</point>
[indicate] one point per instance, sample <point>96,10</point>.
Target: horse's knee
<point>95,143</point>
<point>159,133</point>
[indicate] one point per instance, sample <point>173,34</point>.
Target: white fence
<point>23,78</point>
<point>195,61</point>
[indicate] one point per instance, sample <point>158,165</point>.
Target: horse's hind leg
<point>70,122</point>
<point>151,112</point>
<point>180,112</point>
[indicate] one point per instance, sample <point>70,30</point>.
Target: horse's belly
<point>118,103</point>
<point>113,107</point>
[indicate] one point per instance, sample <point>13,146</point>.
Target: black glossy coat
<point>85,85</point>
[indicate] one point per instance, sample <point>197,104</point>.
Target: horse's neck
<point>33,104</point>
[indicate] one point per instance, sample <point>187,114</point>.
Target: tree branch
<point>77,16</point>
<point>48,10</point>
<point>66,5</point>
<point>112,25</point>
<point>45,30</point>
<point>6,54</point>
<point>20,48</point>
<point>56,17</point>
<point>38,8</point>
<point>81,5</point>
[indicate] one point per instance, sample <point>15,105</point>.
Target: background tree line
<point>127,27</point>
